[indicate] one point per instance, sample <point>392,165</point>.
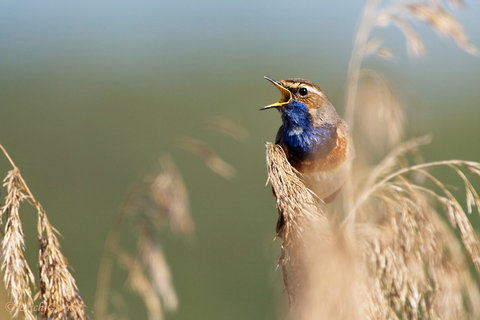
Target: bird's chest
<point>323,150</point>
<point>307,142</point>
<point>300,142</point>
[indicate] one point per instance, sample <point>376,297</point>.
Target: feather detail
<point>333,160</point>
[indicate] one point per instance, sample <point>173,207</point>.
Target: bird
<point>315,139</point>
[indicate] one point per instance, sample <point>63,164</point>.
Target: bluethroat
<point>315,139</point>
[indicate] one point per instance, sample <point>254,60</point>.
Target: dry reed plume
<point>227,127</point>
<point>160,198</point>
<point>211,159</point>
<point>58,294</point>
<point>298,211</point>
<point>404,245</point>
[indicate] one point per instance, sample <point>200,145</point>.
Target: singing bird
<point>315,139</point>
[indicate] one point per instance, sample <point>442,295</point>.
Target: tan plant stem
<point>366,24</point>
<point>353,76</point>
<point>104,275</point>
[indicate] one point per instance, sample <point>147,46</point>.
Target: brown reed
<point>140,283</point>
<point>401,260</point>
<point>209,156</point>
<point>58,295</point>
<point>17,274</point>
<point>298,210</point>
<point>227,127</point>
<point>153,259</point>
<point>313,249</point>
<point>57,286</point>
<point>158,199</point>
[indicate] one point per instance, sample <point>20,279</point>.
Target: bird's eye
<point>303,91</point>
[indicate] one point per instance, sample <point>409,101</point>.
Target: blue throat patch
<point>301,137</point>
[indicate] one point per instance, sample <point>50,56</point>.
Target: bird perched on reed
<point>315,139</point>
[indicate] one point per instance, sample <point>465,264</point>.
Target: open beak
<point>286,95</point>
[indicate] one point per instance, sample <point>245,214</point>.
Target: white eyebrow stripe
<point>312,89</point>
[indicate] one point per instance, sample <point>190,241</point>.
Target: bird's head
<point>302,98</point>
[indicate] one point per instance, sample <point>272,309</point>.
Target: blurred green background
<point>93,91</point>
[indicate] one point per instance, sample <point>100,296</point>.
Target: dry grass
<point>17,274</point>
<point>139,283</point>
<point>298,210</point>
<point>57,286</point>
<point>211,159</point>
<point>380,14</point>
<point>405,245</point>
<point>159,199</point>
<point>414,259</point>
<point>58,294</point>
<point>227,127</point>
<point>399,261</point>
<point>381,104</point>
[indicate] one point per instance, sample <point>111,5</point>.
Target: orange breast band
<point>334,159</point>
